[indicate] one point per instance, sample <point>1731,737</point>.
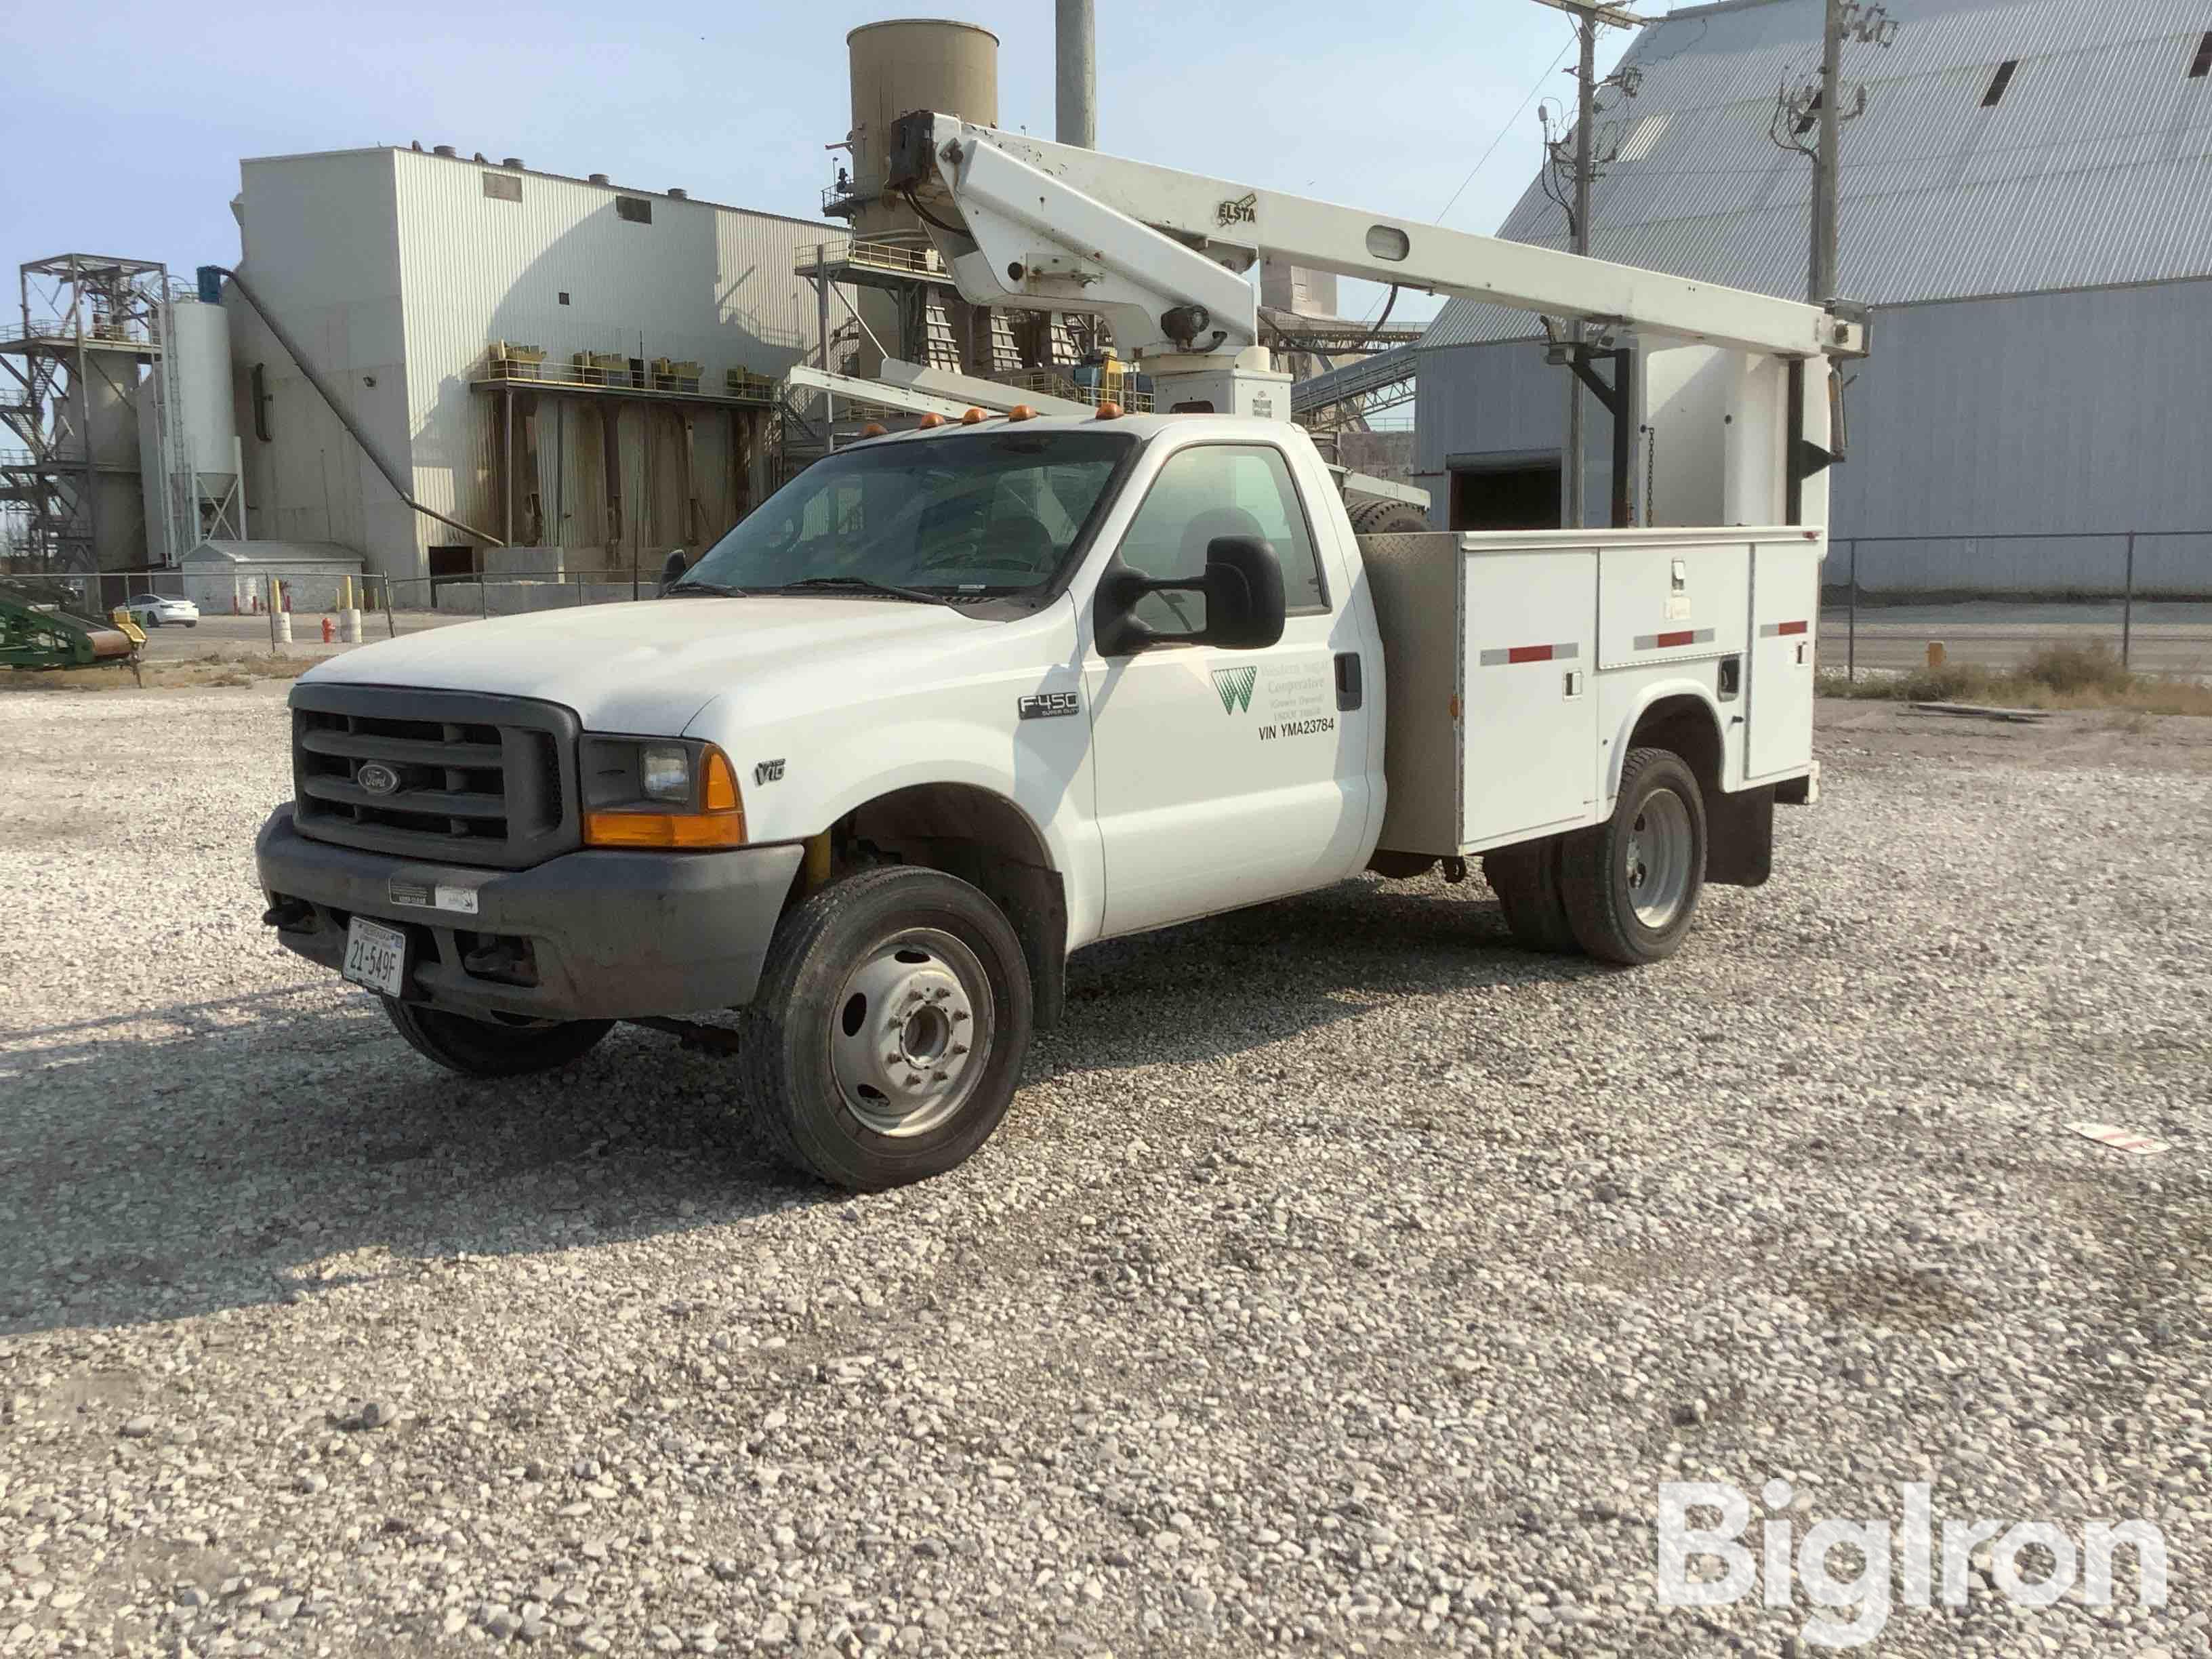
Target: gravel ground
<point>1342,1280</point>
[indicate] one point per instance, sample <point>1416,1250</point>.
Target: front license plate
<point>376,955</point>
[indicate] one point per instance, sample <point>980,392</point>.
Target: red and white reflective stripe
<point>1768,630</point>
<point>1681,636</point>
<point>1513,653</point>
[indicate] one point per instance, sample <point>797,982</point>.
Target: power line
<point>1507,128</point>
<point>1495,141</point>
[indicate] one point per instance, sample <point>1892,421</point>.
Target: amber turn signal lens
<point>719,821</point>
<point>718,789</point>
<point>668,831</point>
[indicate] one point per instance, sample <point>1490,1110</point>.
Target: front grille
<point>475,780</point>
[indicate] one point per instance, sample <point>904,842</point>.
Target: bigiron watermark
<point>2030,1563</point>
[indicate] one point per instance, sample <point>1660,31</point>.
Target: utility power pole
<point>1589,15</point>
<point>1820,270</point>
<point>1574,511</point>
<point>1809,117</point>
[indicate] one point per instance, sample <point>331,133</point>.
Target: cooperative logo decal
<point>1235,687</point>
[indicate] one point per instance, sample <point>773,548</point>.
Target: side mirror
<point>1245,606</point>
<point>672,570</point>
<point>1243,594</point>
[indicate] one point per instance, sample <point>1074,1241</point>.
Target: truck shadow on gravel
<point>280,1147</point>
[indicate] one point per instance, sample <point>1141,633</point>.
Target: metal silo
<point>188,437</point>
<point>906,64</point>
<point>199,347</point>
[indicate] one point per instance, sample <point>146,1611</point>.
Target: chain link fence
<point>2022,588</point>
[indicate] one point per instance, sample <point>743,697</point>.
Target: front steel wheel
<point>888,1032</point>
<point>910,1020</point>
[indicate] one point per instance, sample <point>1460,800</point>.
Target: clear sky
<point>126,125</point>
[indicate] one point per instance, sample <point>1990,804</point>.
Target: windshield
<point>966,515</point>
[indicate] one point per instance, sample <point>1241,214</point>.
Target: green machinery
<point>40,627</point>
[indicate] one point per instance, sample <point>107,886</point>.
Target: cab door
<point>1226,777</point>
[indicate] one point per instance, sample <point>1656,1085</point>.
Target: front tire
<point>494,1048</point>
<point>887,1035</point>
<point>1631,884</point>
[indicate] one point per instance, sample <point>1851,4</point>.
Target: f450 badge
<point>1048,705</point>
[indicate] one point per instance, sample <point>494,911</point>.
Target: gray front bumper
<point>614,935</point>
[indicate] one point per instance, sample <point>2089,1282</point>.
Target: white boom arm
<point>1160,253</point>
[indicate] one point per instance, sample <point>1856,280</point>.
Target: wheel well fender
<point>987,841</point>
<point>1678,715</point>
<point>1739,825</point>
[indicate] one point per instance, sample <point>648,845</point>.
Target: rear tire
<point>1631,884</point>
<point>888,1032</point>
<point>1526,879</point>
<point>493,1048</point>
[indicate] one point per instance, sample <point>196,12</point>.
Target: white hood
<point>651,665</point>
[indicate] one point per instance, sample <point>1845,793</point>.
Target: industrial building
<point>2026,204</point>
<point>429,367</point>
<point>108,371</point>
<point>582,372</point>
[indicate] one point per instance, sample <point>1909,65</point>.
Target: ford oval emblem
<point>377,778</point>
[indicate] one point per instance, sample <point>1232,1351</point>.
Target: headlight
<point>660,792</point>
<point>664,773</point>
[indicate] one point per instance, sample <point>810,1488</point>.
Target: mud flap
<point>1740,837</point>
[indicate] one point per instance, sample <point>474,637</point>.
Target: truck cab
<point>955,702</point>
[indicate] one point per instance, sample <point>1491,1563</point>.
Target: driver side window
<point>1218,489</point>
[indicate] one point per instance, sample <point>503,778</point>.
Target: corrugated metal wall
<point>2045,414</point>
<point>2091,169</point>
<point>2051,414</point>
<point>1499,400</point>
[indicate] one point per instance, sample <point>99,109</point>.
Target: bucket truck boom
<point>1161,253</point>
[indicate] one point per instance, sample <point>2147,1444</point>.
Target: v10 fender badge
<point>769,772</point>
<point>1048,705</point>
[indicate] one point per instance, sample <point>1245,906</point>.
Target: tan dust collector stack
<point>898,67</point>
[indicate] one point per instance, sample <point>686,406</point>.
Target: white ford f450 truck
<point>955,702</point>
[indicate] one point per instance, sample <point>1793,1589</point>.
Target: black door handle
<point>1348,690</point>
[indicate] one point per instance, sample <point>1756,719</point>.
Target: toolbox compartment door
<point>1785,611</point>
<point>1528,720</point>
